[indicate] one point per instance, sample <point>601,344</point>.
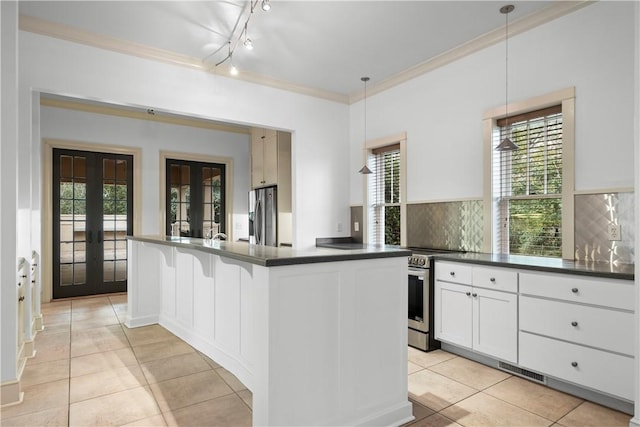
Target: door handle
<point>258,222</point>
<point>90,237</point>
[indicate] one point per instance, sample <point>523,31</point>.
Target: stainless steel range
<point>421,299</point>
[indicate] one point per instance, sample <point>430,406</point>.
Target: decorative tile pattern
<point>446,225</point>
<point>593,214</point>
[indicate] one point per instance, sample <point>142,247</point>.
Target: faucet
<point>218,236</point>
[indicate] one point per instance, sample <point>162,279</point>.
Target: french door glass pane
<point>114,231</point>
<point>72,221</point>
<point>211,198</point>
<point>180,199</point>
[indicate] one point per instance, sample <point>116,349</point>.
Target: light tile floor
<point>91,370</point>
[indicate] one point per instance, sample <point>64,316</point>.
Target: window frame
<point>370,146</point>
<point>566,98</point>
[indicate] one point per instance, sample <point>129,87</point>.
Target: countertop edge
<point>276,261</point>
<point>573,270</point>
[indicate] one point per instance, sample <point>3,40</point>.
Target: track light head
<point>266,5</point>
<point>248,43</point>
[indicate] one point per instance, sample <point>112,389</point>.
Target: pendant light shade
<point>365,169</point>
<point>506,144</point>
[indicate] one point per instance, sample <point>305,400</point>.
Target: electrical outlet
<point>339,227</point>
<point>356,226</point>
<point>614,232</point>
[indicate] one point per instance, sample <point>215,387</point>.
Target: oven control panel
<point>420,261</point>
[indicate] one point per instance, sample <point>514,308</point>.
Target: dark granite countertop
<point>553,265</point>
<point>270,256</point>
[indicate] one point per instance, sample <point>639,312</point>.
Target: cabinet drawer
<point>499,279</point>
<point>597,327</point>
<point>453,272</point>
<point>596,369</point>
<point>605,292</point>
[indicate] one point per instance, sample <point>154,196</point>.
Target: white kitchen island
<point>318,336</point>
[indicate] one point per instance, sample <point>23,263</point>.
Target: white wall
<point>8,201</point>
<point>591,49</point>
<point>152,137</point>
<point>319,127</point>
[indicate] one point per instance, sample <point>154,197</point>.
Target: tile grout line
<point>122,326</point>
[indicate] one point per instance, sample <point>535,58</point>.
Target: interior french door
<point>93,213</point>
<point>195,198</point>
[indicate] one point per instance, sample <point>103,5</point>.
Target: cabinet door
<point>452,313</point>
<point>495,324</point>
<point>270,159</point>
<point>257,164</point>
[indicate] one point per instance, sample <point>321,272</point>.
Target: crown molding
<point>141,115</point>
<point>522,25</point>
<point>76,35</point>
<point>65,32</point>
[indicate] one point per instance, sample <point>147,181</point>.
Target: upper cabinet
<point>270,157</point>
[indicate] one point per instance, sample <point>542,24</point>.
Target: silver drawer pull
<point>492,280</point>
<point>474,295</point>
<point>452,273</point>
<point>574,323</point>
<point>574,290</point>
<point>574,364</point>
<point>468,294</point>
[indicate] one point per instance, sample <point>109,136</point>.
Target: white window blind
<point>384,195</point>
<point>527,184</point>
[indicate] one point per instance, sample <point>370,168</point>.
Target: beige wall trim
<point>47,198</point>
<point>538,102</point>
<point>566,97</point>
<point>400,138</point>
<point>10,393</point>
<point>556,10</point>
<point>76,35</point>
<point>113,110</point>
<point>605,191</point>
<point>191,157</point>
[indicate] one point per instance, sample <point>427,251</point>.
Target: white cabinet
<point>270,157</point>
<point>477,308</point>
<point>579,329</point>
<point>264,157</point>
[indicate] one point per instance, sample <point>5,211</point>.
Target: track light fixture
<point>506,144</point>
<point>246,41</point>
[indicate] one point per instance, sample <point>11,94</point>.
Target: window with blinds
<point>384,195</point>
<point>527,184</point>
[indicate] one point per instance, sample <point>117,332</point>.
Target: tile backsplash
<point>445,225</point>
<point>593,214</point>
<point>458,225</point>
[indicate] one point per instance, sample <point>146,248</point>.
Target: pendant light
<point>506,144</point>
<point>365,169</point>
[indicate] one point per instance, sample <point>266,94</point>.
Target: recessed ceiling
<point>321,45</point>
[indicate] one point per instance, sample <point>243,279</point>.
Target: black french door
<point>92,215</point>
<point>195,198</point>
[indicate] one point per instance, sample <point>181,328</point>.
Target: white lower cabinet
<point>575,329</point>
<point>480,319</point>
<point>579,329</point>
<point>597,369</point>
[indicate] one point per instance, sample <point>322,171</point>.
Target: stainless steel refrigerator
<point>263,216</point>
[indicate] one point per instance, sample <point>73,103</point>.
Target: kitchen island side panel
<point>317,344</point>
